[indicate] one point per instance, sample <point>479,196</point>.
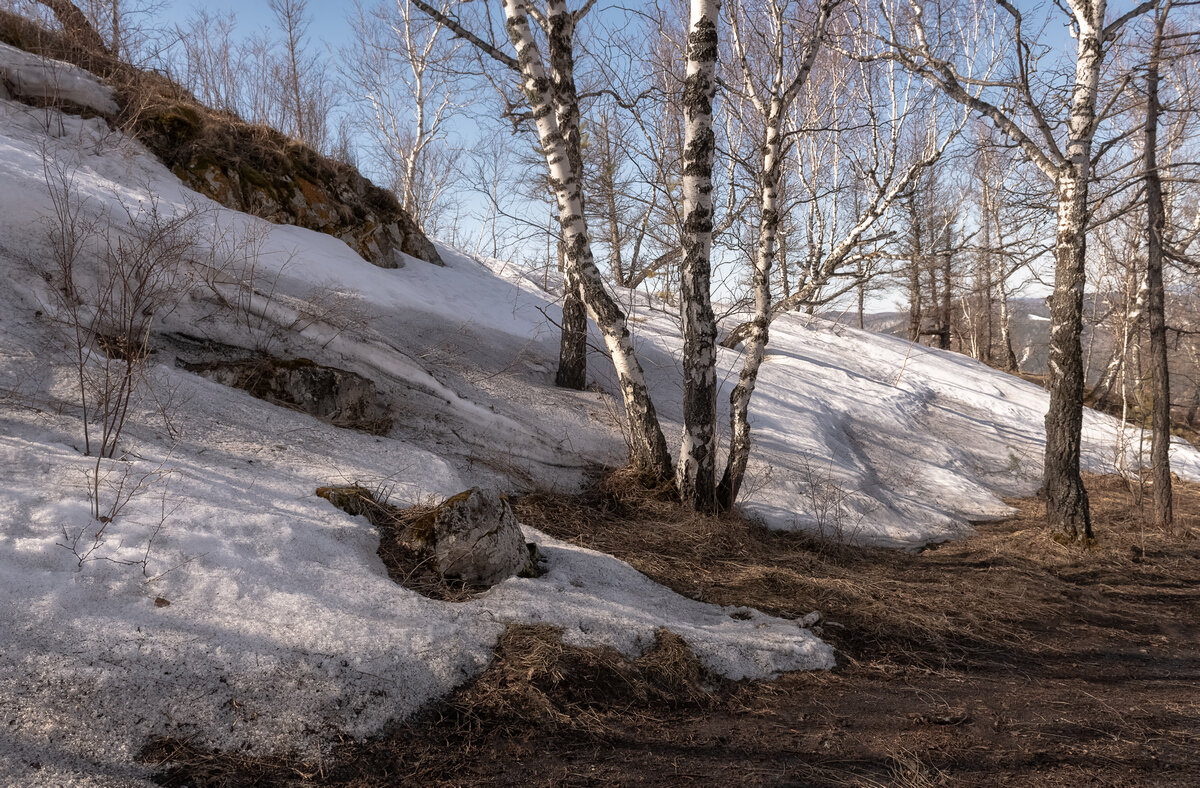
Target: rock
<point>474,537</point>
<point>336,396</point>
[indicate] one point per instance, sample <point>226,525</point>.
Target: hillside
<point>227,604</point>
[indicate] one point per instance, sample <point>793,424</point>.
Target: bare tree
<point>916,40</point>
<point>1156,221</point>
<point>550,96</point>
<point>394,65</point>
<point>771,94</point>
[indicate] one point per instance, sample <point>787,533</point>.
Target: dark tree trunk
<point>1067,510</point>
<point>572,349</point>
<point>947,305</point>
<point>914,272</point>
<point>1156,309</point>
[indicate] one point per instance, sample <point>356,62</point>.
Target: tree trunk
<point>947,304</point>
<point>1067,512</point>
<point>1103,391</point>
<point>914,272</point>
<point>1010,358</point>
<point>648,448</point>
<point>756,341</point>
<point>695,475</point>
<point>1160,461</point>
<point>572,348</point>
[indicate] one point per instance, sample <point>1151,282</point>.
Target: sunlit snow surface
<point>283,626</point>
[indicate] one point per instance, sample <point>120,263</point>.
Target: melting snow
<point>283,626</point>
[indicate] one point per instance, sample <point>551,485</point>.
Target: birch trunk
<point>756,339</point>
<point>648,447</point>
<point>1067,510</point>
<point>770,173</point>
<point>572,350</point>
<point>695,473</point>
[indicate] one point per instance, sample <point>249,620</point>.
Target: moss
<point>353,500</point>
<point>177,124</point>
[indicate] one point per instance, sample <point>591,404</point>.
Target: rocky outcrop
<point>249,168</point>
<point>474,537</point>
<point>262,172</point>
<point>336,396</point>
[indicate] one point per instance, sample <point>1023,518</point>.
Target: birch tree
<point>550,96</point>
<point>771,96</point>
<point>695,474</point>
<point>1062,149</point>
<point>866,147</point>
<point>393,65</point>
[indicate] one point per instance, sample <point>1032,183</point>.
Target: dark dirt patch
<point>1006,659</point>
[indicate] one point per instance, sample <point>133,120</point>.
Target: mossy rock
<point>176,124</point>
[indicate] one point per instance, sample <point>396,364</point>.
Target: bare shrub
<point>110,283</point>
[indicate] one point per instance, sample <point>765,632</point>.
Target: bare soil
<point>1003,660</point>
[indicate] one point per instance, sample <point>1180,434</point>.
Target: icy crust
<point>43,78</point>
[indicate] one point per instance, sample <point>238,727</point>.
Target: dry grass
<point>406,565</point>
<point>879,605</point>
<point>1004,659</point>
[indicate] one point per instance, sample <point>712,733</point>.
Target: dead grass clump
<point>536,680</point>
<point>406,565</point>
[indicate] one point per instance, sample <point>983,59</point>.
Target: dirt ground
<point>1005,659</point>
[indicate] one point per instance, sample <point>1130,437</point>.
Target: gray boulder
<point>474,537</point>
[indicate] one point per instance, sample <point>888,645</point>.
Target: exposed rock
<point>249,168</point>
<point>338,201</point>
<point>336,396</point>
<point>474,537</point>
<point>452,552</point>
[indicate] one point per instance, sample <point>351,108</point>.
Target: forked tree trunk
<point>648,447</point>
<point>1160,461</point>
<point>757,334</point>
<point>695,475</point>
<point>1105,387</point>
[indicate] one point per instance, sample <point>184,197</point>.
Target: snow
<point>282,626</point>
<point>44,78</point>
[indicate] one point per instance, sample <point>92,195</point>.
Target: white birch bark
<point>695,474</point>
<point>648,449</point>
<point>773,109</point>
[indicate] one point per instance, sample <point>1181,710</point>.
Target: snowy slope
<point>283,625</point>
